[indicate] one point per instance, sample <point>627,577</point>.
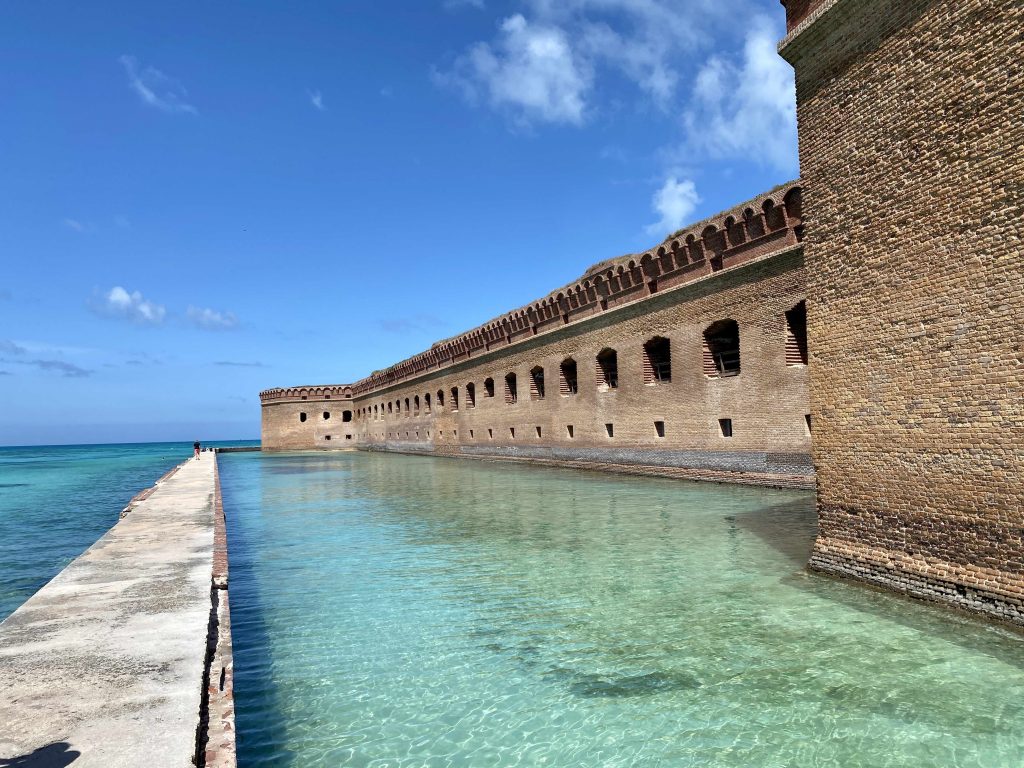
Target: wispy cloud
<point>8,347</point>
<point>66,369</point>
<point>530,70</point>
<point>211,319</point>
<point>76,225</point>
<point>238,364</point>
<point>6,373</point>
<point>675,202</point>
<point>405,324</point>
<point>130,305</point>
<point>156,89</point>
<point>316,98</point>
<point>746,109</point>
<point>454,5</point>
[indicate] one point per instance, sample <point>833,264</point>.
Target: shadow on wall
<point>56,755</point>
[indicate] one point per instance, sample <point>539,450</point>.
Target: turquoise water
<point>55,501</point>
<point>394,611</point>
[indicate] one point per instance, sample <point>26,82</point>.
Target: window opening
<point>511,389</point>
<point>657,361</point>
<point>722,349</point>
<point>607,370</point>
<point>567,385</point>
<point>537,383</point>
<point>796,335</point>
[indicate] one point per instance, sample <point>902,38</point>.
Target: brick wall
<point>911,157</point>
<point>766,401</point>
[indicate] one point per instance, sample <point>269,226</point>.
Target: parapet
<point>768,223</point>
<point>798,10</point>
<point>328,392</point>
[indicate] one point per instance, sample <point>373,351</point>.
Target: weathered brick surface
<point>767,401</point>
<point>912,160</point>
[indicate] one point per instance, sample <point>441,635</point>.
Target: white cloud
<point>675,203</point>
<point>317,100</point>
<point>653,43</point>
<point>453,5</point>
<point>155,88</point>
<point>530,69</point>
<point>748,109</point>
<point>75,224</point>
<point>118,302</point>
<point>211,319</point>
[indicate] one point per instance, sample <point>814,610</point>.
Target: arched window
<point>407,406</point>
<point>722,349</point>
<point>471,395</point>
<point>511,388</point>
<point>537,383</point>
<point>657,361</point>
<point>455,399</point>
<point>302,417</point>
<point>389,406</point>
<point>327,415</point>
<point>346,415</point>
<point>607,369</point>
<point>440,398</point>
<point>567,384</point>
<point>416,404</point>
<point>796,335</point>
<point>488,387</point>
<point>426,402</point>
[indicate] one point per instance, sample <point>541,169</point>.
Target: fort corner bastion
<point>875,304</point>
<point>687,360</point>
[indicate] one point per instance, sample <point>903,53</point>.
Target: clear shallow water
<point>55,501</point>
<point>405,611</point>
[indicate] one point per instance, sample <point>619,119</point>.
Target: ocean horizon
<point>57,500</point>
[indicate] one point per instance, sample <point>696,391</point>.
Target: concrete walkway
<point>107,660</point>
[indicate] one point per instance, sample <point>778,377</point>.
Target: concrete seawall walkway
<point>107,660</point>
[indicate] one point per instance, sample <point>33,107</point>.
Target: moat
<point>411,611</point>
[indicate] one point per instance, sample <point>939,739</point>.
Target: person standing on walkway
<point>195,447</point>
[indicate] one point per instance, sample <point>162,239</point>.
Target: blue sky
<point>202,200</point>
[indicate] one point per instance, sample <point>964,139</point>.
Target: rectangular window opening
<point>490,433</point>
<point>569,430</point>
<point>807,422</point>
<point>538,431</point>
<point>726,426</point>
<point>610,429</point>
<point>512,432</point>
<point>659,428</point>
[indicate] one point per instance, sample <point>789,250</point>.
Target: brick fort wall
<point>911,158</point>
<point>573,380</point>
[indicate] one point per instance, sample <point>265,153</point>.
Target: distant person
<point>196,447</point>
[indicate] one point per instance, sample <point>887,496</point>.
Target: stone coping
<point>106,664</point>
